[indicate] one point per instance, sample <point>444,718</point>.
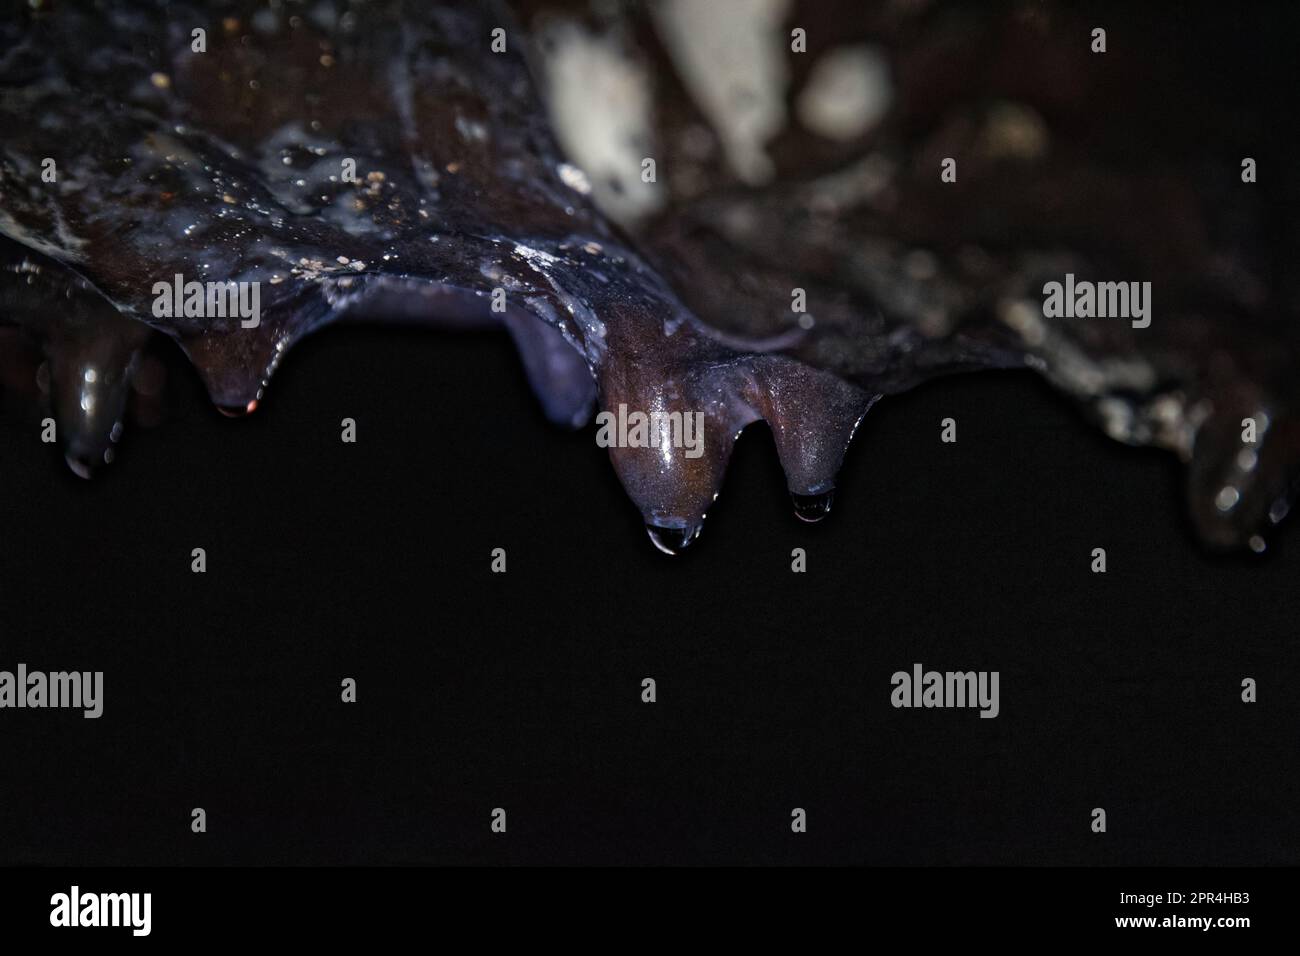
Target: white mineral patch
<point>731,55</point>
<point>67,248</point>
<point>535,257</point>
<point>601,110</point>
<point>574,178</point>
<point>848,92</point>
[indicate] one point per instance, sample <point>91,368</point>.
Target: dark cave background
<point>479,690</point>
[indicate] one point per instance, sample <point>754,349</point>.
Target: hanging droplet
<point>672,540</point>
<point>813,508</point>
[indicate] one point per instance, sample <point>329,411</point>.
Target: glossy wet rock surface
<point>521,171</point>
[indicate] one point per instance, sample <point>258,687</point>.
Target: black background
<point>480,690</point>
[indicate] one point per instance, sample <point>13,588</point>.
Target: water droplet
<point>812,508</point>
<point>1279,510</point>
<point>672,540</point>
<point>238,411</point>
<point>81,466</point>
